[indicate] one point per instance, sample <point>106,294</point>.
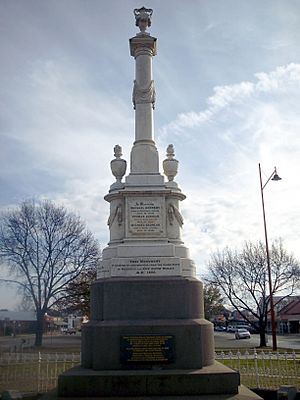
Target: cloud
<point>280,81</point>
<point>61,143</point>
<point>62,117</point>
<point>219,149</point>
<point>56,127</point>
<point>67,124</point>
<point>65,102</point>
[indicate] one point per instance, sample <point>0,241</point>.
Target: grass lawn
<point>266,373</point>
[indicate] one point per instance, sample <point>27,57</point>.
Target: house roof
<point>292,308</point>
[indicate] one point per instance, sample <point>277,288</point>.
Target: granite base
<point>214,379</point>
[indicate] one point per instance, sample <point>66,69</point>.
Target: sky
<point>227,79</point>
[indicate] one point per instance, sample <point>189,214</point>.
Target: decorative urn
<point>170,164</point>
<point>118,166</point>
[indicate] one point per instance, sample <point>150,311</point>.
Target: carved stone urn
<point>118,167</point>
<point>170,164</point>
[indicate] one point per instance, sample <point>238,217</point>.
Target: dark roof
<point>17,315</point>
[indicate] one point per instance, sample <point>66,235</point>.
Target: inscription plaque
<point>145,216</point>
<point>140,266</point>
<point>147,349</point>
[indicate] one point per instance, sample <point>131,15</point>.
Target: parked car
<point>234,328</point>
<point>219,328</point>
<point>242,333</point>
<point>71,331</point>
<point>231,328</point>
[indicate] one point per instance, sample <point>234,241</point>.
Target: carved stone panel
<point>145,217</point>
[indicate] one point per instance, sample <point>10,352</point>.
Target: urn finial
<point>170,164</point>
<point>118,167</point>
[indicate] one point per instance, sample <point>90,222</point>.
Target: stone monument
<point>147,334</point>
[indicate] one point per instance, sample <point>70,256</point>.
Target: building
<point>17,322</point>
<point>288,317</point>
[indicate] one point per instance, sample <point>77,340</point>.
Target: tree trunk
<point>39,328</point>
<point>263,342</point>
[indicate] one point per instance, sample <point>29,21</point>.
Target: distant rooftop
<point>17,315</point>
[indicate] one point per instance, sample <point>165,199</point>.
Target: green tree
<point>46,248</point>
<point>213,301</point>
<point>242,277</point>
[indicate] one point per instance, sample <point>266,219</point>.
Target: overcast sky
<point>227,78</point>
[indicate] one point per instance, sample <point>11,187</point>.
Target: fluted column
<point>144,156</point>
<point>143,49</point>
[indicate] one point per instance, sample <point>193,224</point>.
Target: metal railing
<point>264,370</point>
<point>38,372</point>
<point>34,372</point>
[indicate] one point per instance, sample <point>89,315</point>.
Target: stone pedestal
<point>125,307</point>
<point>144,309</point>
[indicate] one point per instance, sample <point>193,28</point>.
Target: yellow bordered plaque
<point>147,349</point>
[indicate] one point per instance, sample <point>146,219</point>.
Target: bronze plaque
<point>147,349</point>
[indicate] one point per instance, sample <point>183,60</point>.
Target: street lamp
<point>274,177</point>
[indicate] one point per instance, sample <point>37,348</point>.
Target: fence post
<point>56,366</point>
<point>238,354</point>
<point>295,375</point>
<point>256,369</point>
<point>279,367</point>
<point>39,371</point>
<point>263,367</point>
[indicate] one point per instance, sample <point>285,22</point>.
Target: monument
<point>147,335</point>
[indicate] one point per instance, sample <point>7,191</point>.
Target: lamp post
<point>274,177</point>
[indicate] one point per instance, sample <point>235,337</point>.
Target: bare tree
<point>76,299</point>
<point>45,247</point>
<point>242,277</point>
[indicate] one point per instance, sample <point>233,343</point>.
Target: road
<point>226,340</point>
<point>25,342</point>
<point>223,340</point>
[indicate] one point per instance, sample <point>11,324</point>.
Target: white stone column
<point>144,158</point>
<point>143,95</point>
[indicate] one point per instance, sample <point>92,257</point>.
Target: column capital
<point>142,44</point>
